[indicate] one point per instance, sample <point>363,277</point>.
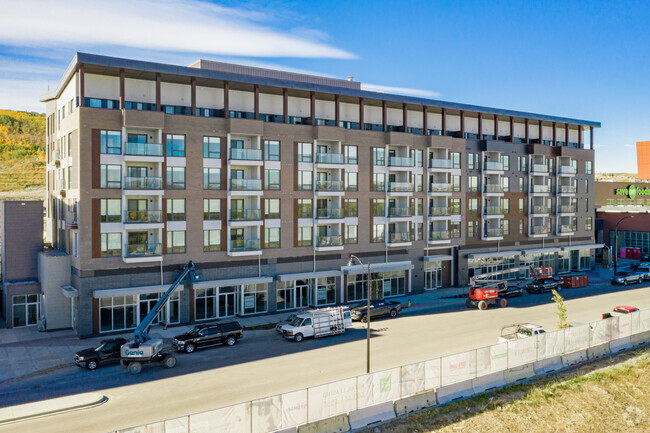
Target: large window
<point>378,207</point>
<point>492,264</point>
<point>175,177</point>
<point>211,178</point>
<point>378,233</point>
<point>175,145</point>
<point>379,181</point>
<point>325,290</point>
<point>272,237</point>
<point>271,179</point>
<point>175,242</point>
<point>350,234</point>
<point>271,150</point>
<point>455,159</point>
<point>117,313</point>
<point>111,244</point>
<point>211,147</point>
<point>455,183</point>
<point>211,208</point>
<point>472,205</point>
<point>350,154</point>
<point>211,240</point>
<point>351,181</point>
<point>350,207</point>
<point>304,236</point>
<point>26,310</point>
<point>305,208</point>
<point>472,183</point>
<point>111,142</point>
<point>205,303</point>
<point>111,210</point>
<point>378,156</point>
<point>588,224</point>
<point>254,298</point>
<point>588,167</point>
<point>271,208</point>
<point>305,181</point>
<point>111,176</point>
<point>175,209</point>
<point>305,152</point>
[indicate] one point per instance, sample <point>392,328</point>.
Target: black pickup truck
<point>105,352</point>
<point>208,334</point>
<point>544,285</point>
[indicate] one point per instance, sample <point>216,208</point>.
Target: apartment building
<point>269,180</point>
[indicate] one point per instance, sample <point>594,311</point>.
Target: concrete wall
<point>22,238</point>
<point>54,272</point>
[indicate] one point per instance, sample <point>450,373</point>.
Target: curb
<point>36,373</point>
<point>94,399</point>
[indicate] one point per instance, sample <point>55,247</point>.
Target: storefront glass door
<point>226,302</point>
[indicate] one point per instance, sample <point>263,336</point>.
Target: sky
<point>579,59</point>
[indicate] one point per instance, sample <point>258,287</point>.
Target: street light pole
<point>616,241</point>
<point>353,259</point>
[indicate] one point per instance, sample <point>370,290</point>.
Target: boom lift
<point>144,349</point>
<point>484,291</point>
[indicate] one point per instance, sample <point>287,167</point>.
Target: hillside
<point>22,150</point>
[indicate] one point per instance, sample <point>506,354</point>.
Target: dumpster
<point>573,281</point>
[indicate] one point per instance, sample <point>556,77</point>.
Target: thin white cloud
<point>400,90</point>
<point>628,145</point>
<point>22,95</point>
<point>164,25</point>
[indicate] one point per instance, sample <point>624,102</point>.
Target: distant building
<point>643,159</point>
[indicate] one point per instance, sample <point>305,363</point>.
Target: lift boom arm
<point>487,275</point>
<point>141,334</point>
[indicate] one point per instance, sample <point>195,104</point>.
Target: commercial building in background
<point>618,201</point>
<point>269,180</point>
<point>643,159</point>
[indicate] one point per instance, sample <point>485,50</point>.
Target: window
<point>550,165</point>
<point>470,161</point>
<point>522,187</point>
<point>586,186</point>
<point>305,208</point>
<point>470,229</point>
<point>454,205</point>
<point>505,160</point>
<point>272,237</point>
<point>472,204</point>
<point>111,176</point>
<point>455,159</point>
<point>211,209</point>
<point>211,147</point>
<point>455,183</point>
<point>305,181</point>
<point>304,236</point>
<point>454,229</point>
<point>521,163</point>
<point>378,207</point>
<point>350,207</point>
<point>175,177</point>
<point>609,202</point>
<point>379,181</point>
<point>419,207</point>
<point>175,209</point>
<point>175,145</point>
<point>211,178</point>
<point>304,152</point>
<point>378,233</point>
<point>111,244</point>
<point>271,180</point>
<point>521,205</point>
<point>111,210</point>
<point>588,223</point>
<point>175,242</point>
<point>419,156</point>
<point>378,156</point>
<point>621,202</point>
<point>505,184</point>
<point>505,205</point>
<point>472,183</point>
<point>588,167</point>
<point>111,142</point>
<point>254,298</point>
<point>419,180</point>
<point>351,179</point>
<point>505,224</point>
<point>211,240</point>
<point>521,227</point>
<point>350,234</point>
<point>271,150</point>
<point>118,312</point>
<point>271,208</point>
<point>350,153</point>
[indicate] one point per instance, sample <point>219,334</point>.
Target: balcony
<point>540,189</point>
<point>329,213</point>
<point>143,182</point>
<point>143,149</point>
<point>492,210</point>
<point>440,187</point>
<point>246,154</point>
<point>565,229</point>
<point>329,185</point>
<point>245,184</point>
<point>142,250</point>
<point>540,210</point>
<point>330,158</point>
<point>566,169</point>
<point>400,212</point>
<point>71,218</point>
<point>439,235</point>
<point>397,238</point>
<point>493,232</point>
<point>243,245</point>
<point>439,163</point>
<point>539,230</point>
<point>566,189</point>
<point>245,214</point>
<point>330,241</point>
<point>143,217</point>
<point>568,208</point>
<point>493,187</point>
<point>400,187</point>
<point>56,156</point>
<point>397,161</point>
<point>539,168</point>
<point>493,165</point>
<point>439,211</point>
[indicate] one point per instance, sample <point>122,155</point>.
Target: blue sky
<point>581,59</point>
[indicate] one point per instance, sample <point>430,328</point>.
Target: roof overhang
<point>377,267</point>
<point>308,275</point>
<point>582,247</point>
<point>231,282</point>
<point>437,258</point>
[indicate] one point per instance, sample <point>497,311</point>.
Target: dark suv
<point>208,334</point>
<point>378,307</point>
<point>105,352</point>
<point>544,285</point>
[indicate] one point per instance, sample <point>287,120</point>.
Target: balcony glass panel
<point>539,188</point>
<point>539,230</point>
<point>491,232</point>
<point>143,149</point>
<point>492,210</point>
<point>329,213</point>
<point>397,161</point>
<point>568,189</point>
<point>539,168</point>
<point>246,154</point>
<point>440,187</point>
<point>493,165</point>
<point>566,169</point>
<point>330,158</point>
<point>330,241</point>
<point>329,185</point>
<point>439,163</point>
<point>246,184</point>
<point>400,187</point>
<point>493,187</point>
<point>400,211</point>
<point>400,237</point>
<point>143,250</point>
<point>147,182</point>
<point>541,209</point>
<point>439,235</point>
<point>566,229</point>
<point>143,216</point>
<point>568,208</point>
<point>439,211</point>
<point>245,245</point>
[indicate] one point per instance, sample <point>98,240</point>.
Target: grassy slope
<point>22,150</point>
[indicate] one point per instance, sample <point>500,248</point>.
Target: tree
<point>561,310</point>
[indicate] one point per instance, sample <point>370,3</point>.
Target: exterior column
<point>226,102</point>
<point>405,117</point>
<point>193,97</point>
<point>312,108</point>
<point>82,87</point>
<point>256,102</point>
<point>122,90</point>
<point>527,132</point>
<point>337,110</point>
<point>541,131</point>
<point>512,129</point>
<point>554,134</point>
<point>444,122</point>
<point>566,134</point>
<point>285,105</point>
<point>383,116</point>
<point>425,126</point>
<point>158,104</point>
<point>480,126</point>
<point>462,124</point>
<point>580,136</point>
<point>496,127</point>
<point>591,137</point>
<point>361,114</point>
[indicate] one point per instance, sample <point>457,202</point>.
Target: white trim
<point>109,293</point>
<point>377,267</point>
<point>308,275</point>
<point>231,282</point>
<point>437,258</point>
<point>493,254</point>
<point>582,247</point>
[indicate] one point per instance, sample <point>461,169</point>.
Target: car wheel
<point>231,340</point>
<point>298,338</point>
<point>364,319</point>
<point>482,305</point>
<point>92,364</point>
<point>502,303</point>
<point>170,361</point>
<point>393,313</point>
<point>190,347</point>
<point>135,367</point>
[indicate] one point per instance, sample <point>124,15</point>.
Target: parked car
<point>544,285</point>
<point>620,311</point>
<point>208,334</point>
<point>512,291</point>
<point>107,351</point>
<point>627,277</point>
<point>643,269</point>
<point>378,307</point>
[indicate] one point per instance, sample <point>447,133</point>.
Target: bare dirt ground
<point>31,193</point>
<point>609,395</point>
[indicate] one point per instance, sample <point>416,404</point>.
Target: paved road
<point>263,364</point>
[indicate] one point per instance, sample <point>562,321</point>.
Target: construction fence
<point>363,400</point>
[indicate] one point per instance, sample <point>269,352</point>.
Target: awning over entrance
<point>493,254</point>
<point>541,250</point>
<point>232,282</point>
<point>377,267</point>
<point>308,275</point>
<point>69,292</point>
<point>145,290</point>
<point>582,247</point>
<point>437,258</point>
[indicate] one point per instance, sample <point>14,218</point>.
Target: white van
<point>318,323</point>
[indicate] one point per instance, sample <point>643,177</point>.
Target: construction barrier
<point>456,391</point>
<point>599,351</point>
<point>375,388</point>
<point>372,414</point>
<point>620,344</point>
<point>488,382</point>
<point>548,365</point>
<point>640,339</point>
<point>334,424</point>
<point>519,374</point>
<point>415,402</point>
<point>573,358</point>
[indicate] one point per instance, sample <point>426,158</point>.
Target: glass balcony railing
<point>539,230</point>
<point>565,229</point>
<point>142,216</point>
<point>493,165</point>
<point>400,212</point>
<point>71,218</point>
<point>492,232</point>
<point>439,211</point>
<point>439,235</point>
<point>539,168</point>
<point>330,158</point>
<point>397,161</point>
<point>143,250</point>
<point>329,185</point>
<point>439,163</point>
<point>143,149</point>
<point>567,189</point>
<point>56,155</point>
<point>246,154</point>
<point>244,245</point>
<point>142,182</point>
<point>568,208</point>
<point>400,187</point>
<point>540,188</point>
<point>566,169</point>
<point>536,210</point>
<point>329,213</point>
<point>400,237</point>
<point>246,184</point>
<point>493,187</point>
<point>245,214</point>
<point>440,187</point>
<point>330,241</point>
<point>492,210</point>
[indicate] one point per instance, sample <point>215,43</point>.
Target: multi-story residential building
<point>269,180</point>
